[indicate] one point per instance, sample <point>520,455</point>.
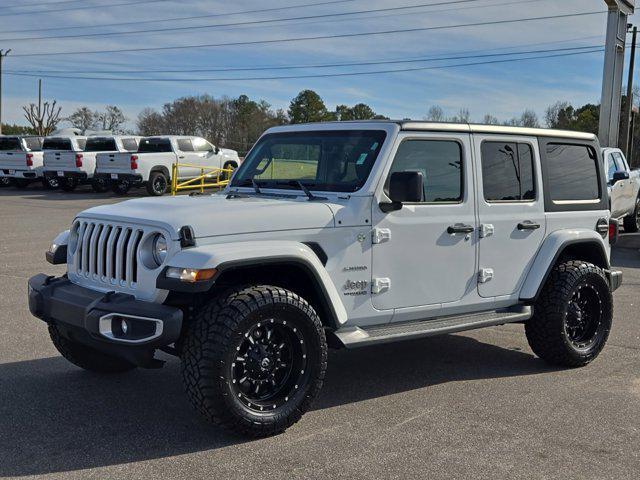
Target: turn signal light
<point>134,162</point>
<point>78,160</point>
<point>29,159</point>
<point>190,275</point>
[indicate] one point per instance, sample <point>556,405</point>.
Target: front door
<point>425,253</point>
<point>510,210</point>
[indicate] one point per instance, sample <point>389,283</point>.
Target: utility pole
<point>3,53</point>
<point>628,108</point>
<point>619,10</point>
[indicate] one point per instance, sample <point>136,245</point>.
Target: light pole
<point>3,53</point>
<point>619,11</point>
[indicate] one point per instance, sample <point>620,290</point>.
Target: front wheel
<point>229,168</point>
<point>50,182</point>
<point>99,185</point>
<point>254,359</point>
<point>157,184</point>
<point>121,187</point>
<point>573,315</point>
<point>5,182</point>
<point>68,184</point>
<point>632,222</point>
<point>85,357</point>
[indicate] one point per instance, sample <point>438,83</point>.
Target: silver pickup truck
<point>624,189</point>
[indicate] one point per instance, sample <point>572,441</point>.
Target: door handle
<point>528,225</point>
<point>181,157</point>
<point>460,228</point>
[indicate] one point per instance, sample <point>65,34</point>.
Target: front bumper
<point>615,279</point>
<point>94,319</point>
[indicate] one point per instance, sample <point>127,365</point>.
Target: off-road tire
<point>632,222</point>
<point>121,187</point>
<point>547,330</point>
<point>20,182</point>
<point>50,183</point>
<point>85,357</point>
<point>158,184</point>
<point>68,184</point>
<point>212,344</point>
<point>100,185</point>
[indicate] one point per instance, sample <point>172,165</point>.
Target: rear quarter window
<point>130,144</point>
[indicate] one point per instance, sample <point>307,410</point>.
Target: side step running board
<point>352,337</point>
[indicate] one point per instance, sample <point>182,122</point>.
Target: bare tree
<point>83,119</point>
<point>529,119</point>
<point>111,119</point>
<point>44,118</point>
<point>436,114</point>
<point>150,122</point>
<point>489,119</point>
<point>463,116</point>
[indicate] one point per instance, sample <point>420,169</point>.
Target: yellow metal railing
<point>200,182</point>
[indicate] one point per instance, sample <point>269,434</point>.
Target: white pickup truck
<point>77,166</point>
<point>20,161</point>
<point>151,164</point>
<point>63,160</point>
<point>624,189</point>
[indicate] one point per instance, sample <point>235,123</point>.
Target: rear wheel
<point>157,184</point>
<point>99,185</point>
<point>632,222</point>
<point>121,187</point>
<point>68,184</point>
<point>87,358</point>
<point>50,183</point>
<point>254,359</point>
<point>20,182</point>
<point>573,316</point>
<point>5,182</point>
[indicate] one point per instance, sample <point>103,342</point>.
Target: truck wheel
<point>20,182</point>
<point>99,185</point>
<point>68,184</point>
<point>5,182</point>
<point>87,358</point>
<point>254,359</point>
<point>50,183</point>
<point>157,184</point>
<point>573,315</point>
<point>227,166</point>
<point>121,187</point>
<point>632,222</point>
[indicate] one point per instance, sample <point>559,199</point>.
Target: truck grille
<point>107,253</point>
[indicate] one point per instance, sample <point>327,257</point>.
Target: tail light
<point>134,162</point>
<point>614,229</point>
<point>78,160</point>
<point>29,159</point>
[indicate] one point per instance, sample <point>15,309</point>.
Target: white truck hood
<point>214,215</point>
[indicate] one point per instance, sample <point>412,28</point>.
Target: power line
<point>317,37</point>
<point>324,65</point>
<point>327,75</point>
<point>82,7</point>
<point>236,24</point>
<point>194,17</point>
<point>39,4</point>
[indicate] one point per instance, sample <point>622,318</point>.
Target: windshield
<point>333,161</point>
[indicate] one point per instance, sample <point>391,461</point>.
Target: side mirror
<point>620,176</point>
<point>404,187</point>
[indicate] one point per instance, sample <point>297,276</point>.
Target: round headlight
<point>159,249</point>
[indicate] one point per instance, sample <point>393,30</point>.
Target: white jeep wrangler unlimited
<point>340,234</point>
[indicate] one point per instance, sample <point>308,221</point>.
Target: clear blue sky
<point>503,90</point>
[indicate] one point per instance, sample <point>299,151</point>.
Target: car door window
<point>612,167</point>
<point>201,145</point>
<point>185,145</point>
<point>439,161</point>
<point>507,172</point>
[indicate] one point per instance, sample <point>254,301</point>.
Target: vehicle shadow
<point>83,192</point>
<point>56,418</point>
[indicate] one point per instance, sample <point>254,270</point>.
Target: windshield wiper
<point>305,189</point>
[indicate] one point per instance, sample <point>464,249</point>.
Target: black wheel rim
<point>53,182</point>
<point>4,181</point>
<point>159,184</point>
<point>269,365</point>
<point>584,317</point>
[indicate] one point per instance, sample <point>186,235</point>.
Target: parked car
<point>151,165</point>
<point>342,234</point>
<point>79,166</point>
<point>21,161</point>
<point>63,160</point>
<point>624,189</point>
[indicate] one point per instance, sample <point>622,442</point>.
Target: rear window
<point>572,172</point>
<point>154,145</point>
<point>101,145</point>
<point>130,144</point>
<point>34,144</point>
<point>507,172</point>
<point>10,143</point>
<point>57,144</point>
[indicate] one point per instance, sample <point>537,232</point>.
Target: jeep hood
<point>214,215</point>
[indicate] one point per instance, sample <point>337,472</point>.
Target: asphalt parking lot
<point>476,405</point>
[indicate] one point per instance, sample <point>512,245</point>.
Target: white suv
<point>340,234</point>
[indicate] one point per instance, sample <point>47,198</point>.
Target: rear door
<point>510,211</point>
